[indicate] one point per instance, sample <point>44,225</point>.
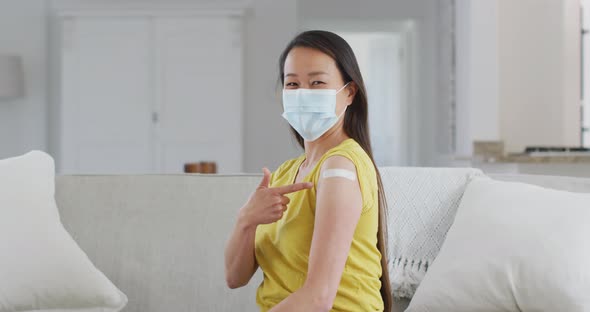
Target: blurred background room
<point>168,86</point>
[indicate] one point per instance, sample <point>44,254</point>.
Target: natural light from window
<point>586,72</point>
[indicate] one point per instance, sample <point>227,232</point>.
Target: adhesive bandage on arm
<point>339,173</point>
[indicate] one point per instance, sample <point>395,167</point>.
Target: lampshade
<point>12,80</point>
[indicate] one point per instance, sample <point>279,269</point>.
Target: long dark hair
<point>355,123</point>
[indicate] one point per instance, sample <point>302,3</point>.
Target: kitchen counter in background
<point>538,166</point>
<point>489,157</point>
<point>547,158</point>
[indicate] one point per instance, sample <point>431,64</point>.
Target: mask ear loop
<point>344,111</point>
<point>344,86</point>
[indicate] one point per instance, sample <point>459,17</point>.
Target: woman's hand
<point>267,204</point>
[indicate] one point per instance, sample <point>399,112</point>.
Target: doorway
<point>384,51</point>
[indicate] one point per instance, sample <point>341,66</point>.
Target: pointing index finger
<point>293,188</point>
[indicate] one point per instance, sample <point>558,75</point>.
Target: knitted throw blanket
<point>422,203</point>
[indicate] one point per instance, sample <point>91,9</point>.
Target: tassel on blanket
<point>406,275</point>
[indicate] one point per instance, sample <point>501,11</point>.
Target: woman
<point>316,225</point>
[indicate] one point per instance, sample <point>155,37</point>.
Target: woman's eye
<point>315,83</point>
<point>291,84</point>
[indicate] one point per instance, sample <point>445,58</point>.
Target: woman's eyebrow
<point>315,73</point>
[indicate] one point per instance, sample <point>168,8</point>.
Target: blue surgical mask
<point>311,112</point>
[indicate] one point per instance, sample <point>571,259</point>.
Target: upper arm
<point>338,210</point>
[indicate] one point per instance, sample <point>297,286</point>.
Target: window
<point>585,46</point>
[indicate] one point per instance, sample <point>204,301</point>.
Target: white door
<point>198,65</point>
<point>148,94</point>
<point>106,100</point>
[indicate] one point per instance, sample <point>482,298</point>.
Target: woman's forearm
<point>240,262</point>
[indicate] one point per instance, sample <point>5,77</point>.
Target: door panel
<point>148,94</point>
<point>106,96</point>
<point>199,100</point>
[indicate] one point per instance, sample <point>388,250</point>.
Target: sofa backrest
<point>570,184</point>
<point>160,238</point>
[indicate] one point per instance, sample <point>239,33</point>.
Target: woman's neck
<point>316,149</point>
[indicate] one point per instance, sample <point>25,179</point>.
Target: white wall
<point>270,25</point>
<point>476,74</point>
<point>145,4</point>
<point>267,139</point>
<point>518,68</point>
<point>539,72</point>
<point>23,122</point>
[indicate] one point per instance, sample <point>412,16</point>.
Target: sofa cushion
<point>512,247</point>
<point>41,267</point>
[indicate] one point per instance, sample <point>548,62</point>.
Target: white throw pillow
<point>421,203</point>
<point>41,267</point>
<point>512,247</point>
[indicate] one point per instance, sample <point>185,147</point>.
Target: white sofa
<point>160,238</point>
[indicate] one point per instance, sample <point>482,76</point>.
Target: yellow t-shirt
<point>282,248</point>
